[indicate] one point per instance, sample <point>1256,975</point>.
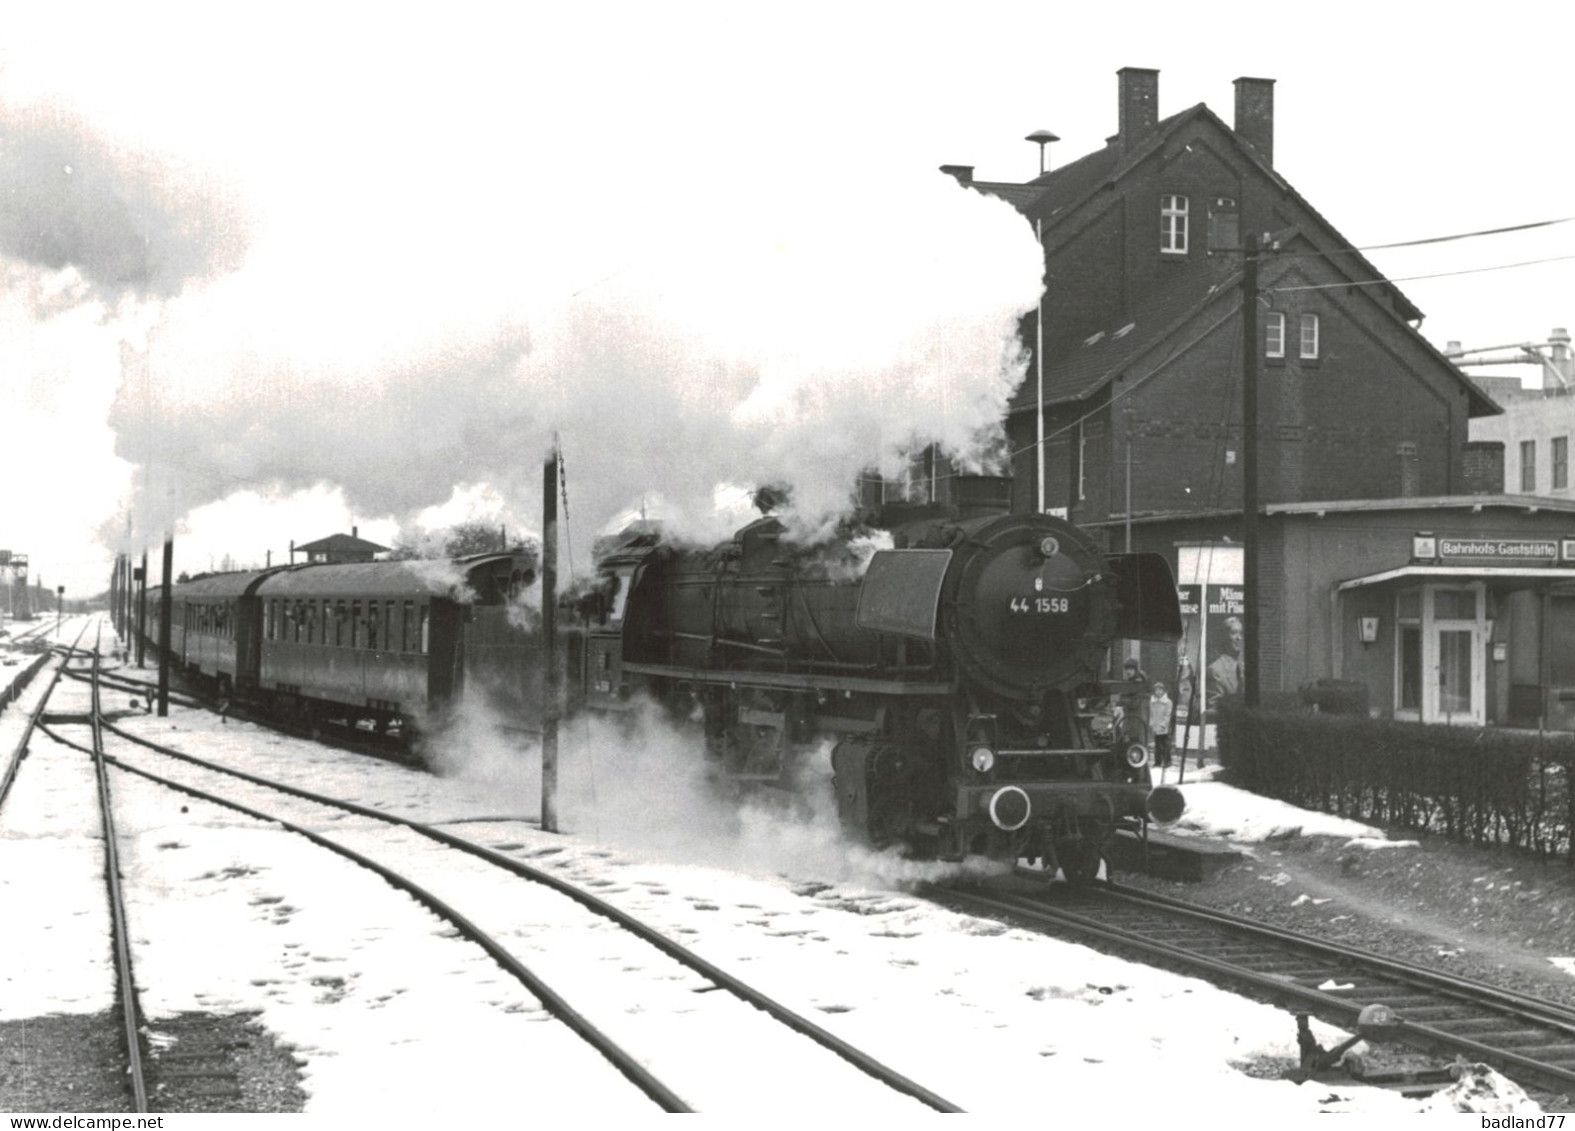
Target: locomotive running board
<point>808,681</point>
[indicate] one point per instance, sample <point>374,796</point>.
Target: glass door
<point>1458,675</point>
<point>1454,656</point>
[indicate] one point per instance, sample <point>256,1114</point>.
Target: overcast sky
<point>273,270</point>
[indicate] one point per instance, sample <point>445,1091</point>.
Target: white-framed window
<point>1274,334</point>
<point>1528,467</point>
<point>1173,224</point>
<point>1309,337</point>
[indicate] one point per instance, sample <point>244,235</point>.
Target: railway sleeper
<point>1355,987</point>
<point>1429,1009</point>
<point>1550,1054</point>
<point>1499,1028</point>
<point>1515,1039</point>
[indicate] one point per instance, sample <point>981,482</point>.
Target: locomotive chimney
<point>976,496</point>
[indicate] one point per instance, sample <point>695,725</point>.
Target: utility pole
<point>164,627</point>
<point>1249,466</point>
<point>549,598</point>
<point>142,606</point>
<point>1041,138</point>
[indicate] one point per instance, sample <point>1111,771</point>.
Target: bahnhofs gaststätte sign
<point>1500,549</point>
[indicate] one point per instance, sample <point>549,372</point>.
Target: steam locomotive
<point>955,672</point>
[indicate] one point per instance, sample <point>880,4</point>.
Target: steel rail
<point>117,907</point>
<point>1476,993</point>
<point>1271,986</point>
<point>19,751</point>
<point>127,683</point>
<point>636,1073</point>
<point>781,1013</point>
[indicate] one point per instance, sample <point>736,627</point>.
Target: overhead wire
<point>1425,240</point>
<point>1413,278</point>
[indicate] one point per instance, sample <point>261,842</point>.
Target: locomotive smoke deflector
<point>901,593</point>
<point>1145,598</point>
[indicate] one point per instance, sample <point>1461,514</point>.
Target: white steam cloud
<point>126,221</point>
<point>641,785</point>
<point>799,341</point>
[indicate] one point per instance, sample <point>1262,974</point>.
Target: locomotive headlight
<point>1137,755</point>
<point>982,758</point>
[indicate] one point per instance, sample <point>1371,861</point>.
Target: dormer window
<point>1274,334</point>
<point>1173,224</point>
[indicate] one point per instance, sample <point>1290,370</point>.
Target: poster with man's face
<point>1226,621</point>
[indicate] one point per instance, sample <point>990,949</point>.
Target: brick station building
<point>1447,603</point>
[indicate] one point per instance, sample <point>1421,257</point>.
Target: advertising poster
<point>1184,690</point>
<point>1225,637</point>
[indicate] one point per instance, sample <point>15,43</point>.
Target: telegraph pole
<point>164,627</point>
<point>549,598</point>
<point>142,606</point>
<point>1249,466</point>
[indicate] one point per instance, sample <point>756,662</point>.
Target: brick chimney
<point>1255,115</point>
<point>1139,105</point>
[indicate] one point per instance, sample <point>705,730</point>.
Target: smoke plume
<point>129,222</point>
<point>797,343</point>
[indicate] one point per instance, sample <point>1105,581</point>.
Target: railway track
<point>125,979</point>
<point>1530,1040</point>
<point>762,1023</point>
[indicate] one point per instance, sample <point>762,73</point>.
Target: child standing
<point>1160,710</point>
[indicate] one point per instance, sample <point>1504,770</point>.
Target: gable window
<point>1224,226</point>
<point>1561,463</point>
<point>1309,337</point>
<point>1274,335</point>
<point>1173,224</point>
<point>1528,467</point>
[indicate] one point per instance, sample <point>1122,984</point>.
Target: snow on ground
<point>229,915</point>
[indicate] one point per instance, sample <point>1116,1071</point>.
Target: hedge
<point>1473,785</point>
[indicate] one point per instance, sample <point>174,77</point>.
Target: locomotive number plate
<point>1040,604</point>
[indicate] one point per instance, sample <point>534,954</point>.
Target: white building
<point>1537,425</point>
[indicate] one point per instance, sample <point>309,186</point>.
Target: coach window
<point>267,620</point>
<point>355,624</point>
<point>339,623</point>
<point>372,613</point>
<point>388,625</point>
<point>407,628</point>
<point>425,626</point>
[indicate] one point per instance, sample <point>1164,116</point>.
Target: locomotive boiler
<point>956,675</point>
